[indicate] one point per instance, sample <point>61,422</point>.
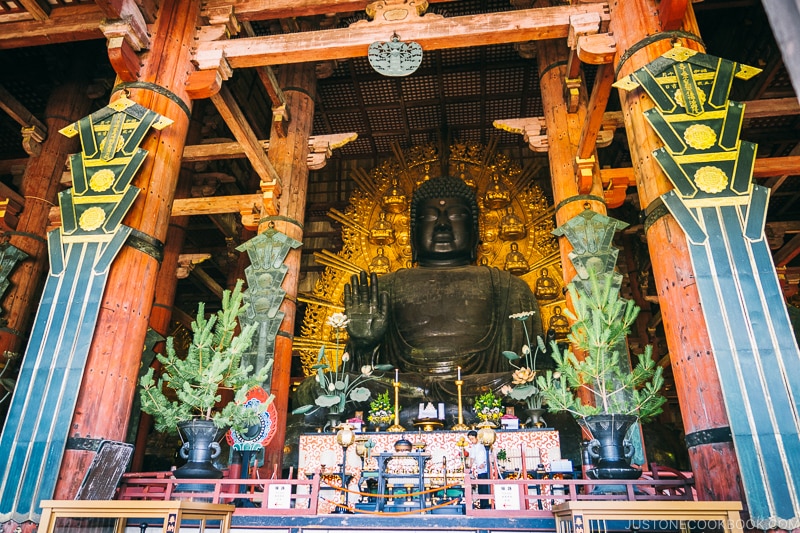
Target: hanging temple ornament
<point>395,58</point>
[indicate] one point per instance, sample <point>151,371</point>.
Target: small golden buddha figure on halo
<point>395,199</point>
<point>516,262</point>
<point>380,263</point>
<point>465,175</point>
<point>546,287</point>
<point>497,195</point>
<point>512,228</point>
<point>382,233</point>
<point>559,324</point>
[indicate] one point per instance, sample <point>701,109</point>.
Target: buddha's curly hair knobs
<point>444,187</point>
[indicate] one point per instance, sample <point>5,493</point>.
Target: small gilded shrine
<point>515,225</point>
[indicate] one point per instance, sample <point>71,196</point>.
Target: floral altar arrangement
<point>488,407</point>
<point>524,377</point>
<point>336,387</point>
<point>381,410</point>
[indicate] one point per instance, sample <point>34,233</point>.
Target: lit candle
<point>459,373</point>
<point>397,375</point>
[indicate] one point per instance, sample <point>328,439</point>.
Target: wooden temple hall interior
<point>483,163</point>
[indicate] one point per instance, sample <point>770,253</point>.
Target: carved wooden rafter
<point>38,9</point>
<point>34,132</point>
<point>238,124</point>
<point>592,126</point>
<point>187,263</point>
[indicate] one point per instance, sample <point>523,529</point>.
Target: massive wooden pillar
<point>288,155</point>
<point>636,28</point>
<point>109,382</point>
<point>563,136</point>
<point>40,184</point>
<point>166,284</point>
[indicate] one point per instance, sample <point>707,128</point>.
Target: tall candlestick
<point>396,427</point>
<point>460,426</point>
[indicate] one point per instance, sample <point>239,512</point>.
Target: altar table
<point>319,451</point>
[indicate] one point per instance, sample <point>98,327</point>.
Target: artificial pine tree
<point>191,387</point>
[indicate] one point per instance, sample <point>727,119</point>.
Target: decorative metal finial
<point>395,58</point>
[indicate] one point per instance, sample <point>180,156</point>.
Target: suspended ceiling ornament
<point>395,58</point>
<point>515,235</point>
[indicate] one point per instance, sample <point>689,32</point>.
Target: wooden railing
<point>507,497</point>
<point>251,496</point>
<point>514,497</point>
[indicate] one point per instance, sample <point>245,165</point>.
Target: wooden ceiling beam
<point>767,167</point>
<point>276,9</point>
<point>319,149</point>
<point>431,33</point>
<point>65,24</point>
<point>776,181</point>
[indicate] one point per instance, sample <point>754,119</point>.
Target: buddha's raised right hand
<point>367,309</point>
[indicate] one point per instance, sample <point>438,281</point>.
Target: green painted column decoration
<point>591,235</point>
<point>80,253</point>
<point>10,255</point>
<point>264,295</point>
<point>723,214</point>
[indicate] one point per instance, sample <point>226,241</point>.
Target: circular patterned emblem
<point>102,180</point>
<point>700,136</point>
<point>678,96</point>
<point>710,179</point>
<point>92,218</point>
<point>261,434</point>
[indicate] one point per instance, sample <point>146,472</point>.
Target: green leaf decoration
<point>360,394</point>
<point>327,400</point>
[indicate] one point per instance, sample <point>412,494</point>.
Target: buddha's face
<point>444,232</point>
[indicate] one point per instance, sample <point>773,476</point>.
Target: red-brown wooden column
<point>699,393</point>
<point>166,284</point>
<point>563,134</point>
<point>288,155</point>
<point>40,185</point>
<point>109,382</point>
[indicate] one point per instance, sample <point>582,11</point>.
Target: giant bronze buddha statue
<point>447,312</point>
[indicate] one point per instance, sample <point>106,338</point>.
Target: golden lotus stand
<point>428,424</point>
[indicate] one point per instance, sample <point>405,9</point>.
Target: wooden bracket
<point>531,128</point>
<point>597,49</point>
<point>321,148</point>
<point>126,37</point>
<point>572,93</point>
<point>671,13</point>
<point>394,11</point>
<point>615,185</point>
<point>206,83</point>
<point>32,138</point>
<point>270,191</point>
<point>224,18</point>
<point>584,172</point>
<point>187,262</point>
<point>11,205</point>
